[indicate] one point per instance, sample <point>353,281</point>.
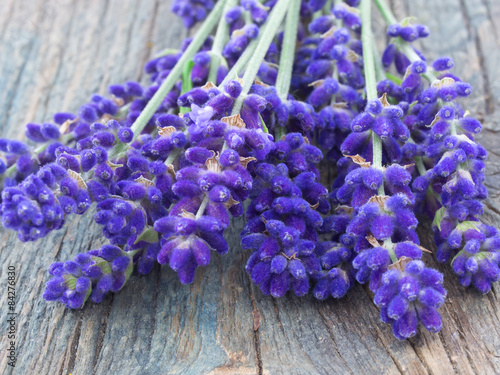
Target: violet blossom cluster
<point>167,178</point>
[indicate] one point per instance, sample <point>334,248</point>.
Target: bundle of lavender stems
<point>244,122</point>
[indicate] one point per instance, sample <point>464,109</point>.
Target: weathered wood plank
<point>53,55</point>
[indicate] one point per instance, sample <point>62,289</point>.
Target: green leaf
<point>394,78</point>
<point>128,271</point>
<point>102,264</point>
<point>148,235</point>
<point>87,295</point>
<point>187,84</point>
<point>264,127</point>
<point>167,51</point>
<point>465,225</point>
<point>70,281</point>
<point>438,218</point>
<point>413,104</point>
<point>408,21</point>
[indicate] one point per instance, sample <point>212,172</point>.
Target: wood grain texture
<point>53,55</point>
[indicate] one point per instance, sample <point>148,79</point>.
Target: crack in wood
<point>102,333</point>
<point>332,336</point>
<point>489,14</point>
<point>156,296</point>
<point>489,107</point>
<point>453,362</point>
<point>256,333</point>
<point>73,346</point>
<point>473,35</point>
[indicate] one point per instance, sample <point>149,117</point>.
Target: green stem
<point>420,165</point>
<point>338,21</point>
<point>369,61</point>
<point>287,57</point>
<point>370,78</point>
<point>453,127</point>
<point>175,73</point>
<point>389,245</point>
<point>403,46</point>
<point>379,69</point>
<point>201,209</point>
<point>386,12</point>
<point>335,73</point>
<point>167,51</point>
<point>64,139</point>
<point>9,171</point>
<point>220,39</point>
<point>327,9</point>
<point>288,50</point>
<point>123,111</point>
<point>268,33</point>
<point>409,52</point>
<point>172,156</point>
<point>187,83</point>
<point>242,61</point>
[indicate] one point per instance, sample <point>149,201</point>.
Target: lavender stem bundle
<point>237,124</point>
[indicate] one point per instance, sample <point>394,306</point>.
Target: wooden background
<point>53,55</point>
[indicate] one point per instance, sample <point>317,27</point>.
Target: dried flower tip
<point>400,264</point>
<point>317,83</point>
<point>187,215</point>
<point>171,169</point>
<point>66,124</point>
<point>384,101</point>
<point>244,161</point>
<point>166,132</point>
<point>314,206</point>
<point>293,256</point>
<point>238,32</point>
<point>105,118</point>
<point>113,165</point>
<point>352,56</point>
<point>234,120</point>
<point>446,81</point>
<point>208,86</point>
<point>379,199</point>
<point>260,83</point>
<point>340,105</point>
<point>407,73</point>
<point>436,119</point>
<point>118,101</point>
<point>346,209</point>
<point>78,178</point>
<point>144,181</point>
<point>212,163</point>
<point>230,202</point>
<point>372,241</point>
<point>359,160</point>
<point>329,32</point>
<point>351,9</point>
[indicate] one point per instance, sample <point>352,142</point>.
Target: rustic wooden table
<point>53,55</point>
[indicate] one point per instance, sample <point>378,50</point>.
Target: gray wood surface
<point>53,55</point>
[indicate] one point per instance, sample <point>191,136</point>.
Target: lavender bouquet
<point>244,122</point>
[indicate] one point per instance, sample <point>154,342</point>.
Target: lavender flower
<point>409,296</point>
<point>93,274</point>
